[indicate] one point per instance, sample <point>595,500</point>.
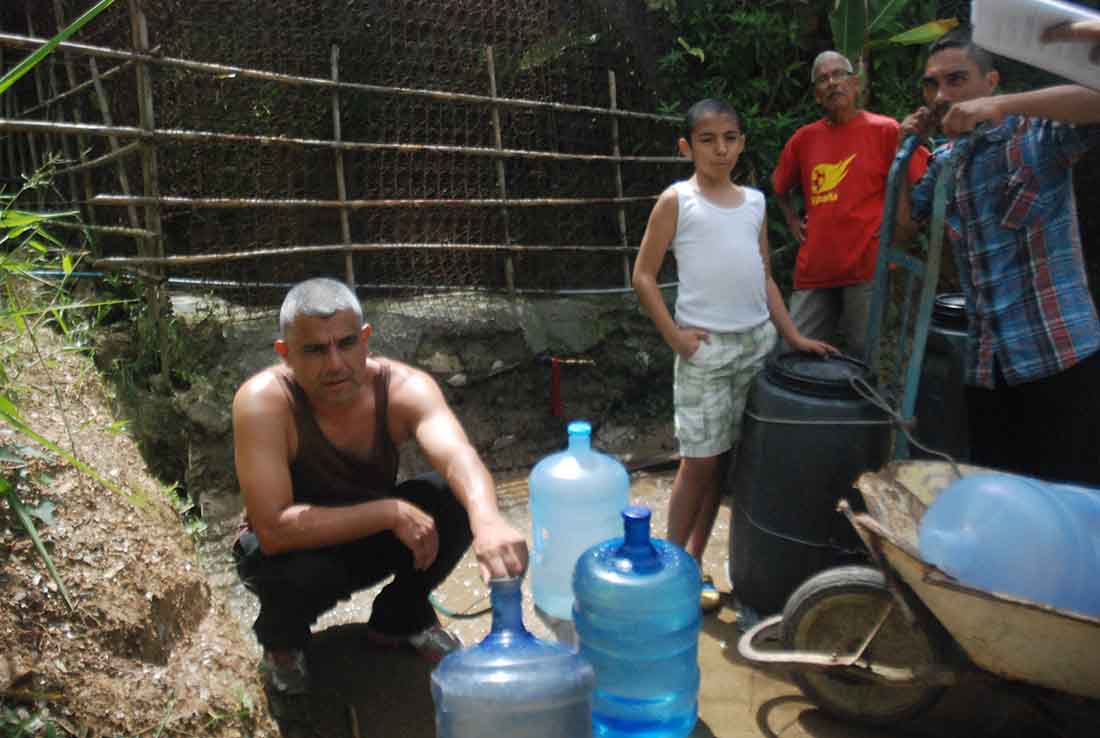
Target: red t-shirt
<point>842,171</point>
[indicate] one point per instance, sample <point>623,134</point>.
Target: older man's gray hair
<point>321,297</point>
<point>825,56</point>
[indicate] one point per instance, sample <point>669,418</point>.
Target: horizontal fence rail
<point>252,202</point>
<point>122,262</point>
<point>225,70</point>
<point>47,126</point>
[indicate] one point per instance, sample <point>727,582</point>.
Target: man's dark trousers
<point>295,588</point>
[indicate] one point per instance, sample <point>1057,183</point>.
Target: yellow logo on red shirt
<point>825,178</point>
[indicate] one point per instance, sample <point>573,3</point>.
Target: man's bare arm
<point>1079,31</point>
<point>419,410</point>
<point>1067,103</point>
<point>919,123</point>
<point>261,425</point>
<point>658,235</point>
<point>777,309</point>
<point>795,223</point>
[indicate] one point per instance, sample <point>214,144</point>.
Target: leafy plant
<point>28,245</point>
<point>42,52</point>
<point>861,28</point>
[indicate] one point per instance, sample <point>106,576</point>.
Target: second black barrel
<point>941,405</point>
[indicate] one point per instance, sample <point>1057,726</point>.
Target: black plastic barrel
<point>806,436</point>
<point>941,406</point>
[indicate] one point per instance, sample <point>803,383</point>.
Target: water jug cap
<point>579,428</point>
<point>636,545</point>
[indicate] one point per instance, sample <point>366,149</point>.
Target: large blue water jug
<point>512,684</point>
<point>576,496</point>
<point>637,617</point>
<point>1018,536</point>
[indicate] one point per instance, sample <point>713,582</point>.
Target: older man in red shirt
<point>841,163</point>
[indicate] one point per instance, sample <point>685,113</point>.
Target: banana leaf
<point>882,12</point>
<point>849,24</point>
<point>924,34</point>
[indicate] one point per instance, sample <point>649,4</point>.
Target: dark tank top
<point>321,473</point>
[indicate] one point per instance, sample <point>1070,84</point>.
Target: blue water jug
<point>637,617</point>
<point>576,496</point>
<point>1018,536</point>
<point>512,684</point>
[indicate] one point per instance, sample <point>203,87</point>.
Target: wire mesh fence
<point>251,68</point>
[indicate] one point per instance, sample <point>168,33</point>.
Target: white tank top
<point>722,285</point>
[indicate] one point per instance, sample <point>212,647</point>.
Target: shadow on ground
<point>359,690</point>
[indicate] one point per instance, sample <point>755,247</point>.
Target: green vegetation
<point>757,55</point>
<point>31,248</point>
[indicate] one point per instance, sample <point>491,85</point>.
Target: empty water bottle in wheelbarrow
<point>1018,536</point>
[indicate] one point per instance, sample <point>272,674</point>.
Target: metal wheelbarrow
<point>879,644</point>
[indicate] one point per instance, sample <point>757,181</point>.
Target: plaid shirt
<point>1013,225</point>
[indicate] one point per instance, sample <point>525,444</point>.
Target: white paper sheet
<point>1012,27</point>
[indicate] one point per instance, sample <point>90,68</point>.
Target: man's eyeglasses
<point>837,75</point>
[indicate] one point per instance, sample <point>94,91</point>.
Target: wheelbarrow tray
<point>1002,634</point>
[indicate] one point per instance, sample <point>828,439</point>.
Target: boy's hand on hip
<point>688,341</point>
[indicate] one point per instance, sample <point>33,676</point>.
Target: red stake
<point>555,387</point>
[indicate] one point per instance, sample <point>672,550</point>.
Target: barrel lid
<point>950,310</point>
<point>817,375</point>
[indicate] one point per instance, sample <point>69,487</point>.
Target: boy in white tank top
<point>728,309</point>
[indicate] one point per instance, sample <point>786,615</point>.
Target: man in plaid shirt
<point>1033,348</point>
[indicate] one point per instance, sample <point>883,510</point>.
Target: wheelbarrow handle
<point>852,664</point>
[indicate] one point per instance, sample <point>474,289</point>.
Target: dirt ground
<point>149,648</point>
<point>158,642</point>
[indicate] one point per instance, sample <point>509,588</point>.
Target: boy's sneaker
<point>710,599</point>
<point>285,671</point>
<point>433,643</point>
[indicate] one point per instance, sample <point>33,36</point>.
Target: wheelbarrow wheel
<point>833,612</point>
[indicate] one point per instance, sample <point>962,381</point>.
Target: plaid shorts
<point>710,388</point>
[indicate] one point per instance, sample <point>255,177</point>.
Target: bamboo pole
<point>113,262</point>
<point>81,141</point>
<point>237,203</point>
<point>105,111</point>
<point>47,145</point>
<point>502,185</point>
<point>33,147</point>
<point>24,170</point>
<point>113,230</point>
<point>61,96</point>
<point>223,70</point>
<point>154,246</point>
<point>341,183</point>
<point>9,139</point>
<point>13,158</point>
<point>613,92</point>
<point>66,144</point>
<point>12,124</point>
<point>121,152</point>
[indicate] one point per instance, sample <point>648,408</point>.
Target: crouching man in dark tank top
<point>316,439</point>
